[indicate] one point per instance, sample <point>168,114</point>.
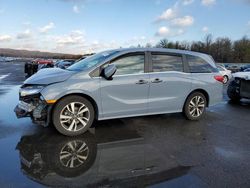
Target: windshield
<point>91,61</point>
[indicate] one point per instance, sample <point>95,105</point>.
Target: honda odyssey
<point>121,83</point>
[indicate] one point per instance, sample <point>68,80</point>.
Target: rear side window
<point>199,65</point>
<point>165,62</point>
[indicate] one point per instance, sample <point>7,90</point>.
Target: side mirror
<point>109,71</point>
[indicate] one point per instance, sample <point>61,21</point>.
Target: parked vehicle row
<point>233,68</point>
<point>32,67</point>
<point>245,68</point>
<point>121,83</point>
<point>236,67</point>
<point>63,64</point>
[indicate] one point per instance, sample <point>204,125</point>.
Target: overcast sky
<point>81,26</point>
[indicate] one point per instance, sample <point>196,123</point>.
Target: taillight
<point>219,78</point>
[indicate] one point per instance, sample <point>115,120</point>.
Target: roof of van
<point>159,50</point>
<point>121,51</point>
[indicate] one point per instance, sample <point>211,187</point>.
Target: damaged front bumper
<point>34,107</point>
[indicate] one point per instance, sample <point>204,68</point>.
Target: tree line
<point>5,52</point>
<point>222,49</point>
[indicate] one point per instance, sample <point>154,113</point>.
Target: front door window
<point>133,64</point>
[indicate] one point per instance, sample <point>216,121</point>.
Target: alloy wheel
<point>74,116</point>
<point>196,106</point>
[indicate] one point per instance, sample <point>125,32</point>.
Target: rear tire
<point>195,106</point>
<point>73,115</point>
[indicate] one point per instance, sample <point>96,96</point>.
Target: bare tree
<point>208,42</point>
<point>162,44</point>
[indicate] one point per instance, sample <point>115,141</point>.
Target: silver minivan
<point>121,83</point>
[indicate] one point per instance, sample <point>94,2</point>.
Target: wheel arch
<point>91,100</point>
<point>205,93</point>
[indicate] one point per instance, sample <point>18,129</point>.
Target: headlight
<point>30,90</point>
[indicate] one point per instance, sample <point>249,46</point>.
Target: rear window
<point>164,63</point>
<point>199,65</point>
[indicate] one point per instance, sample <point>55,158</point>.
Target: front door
<point>127,94</point>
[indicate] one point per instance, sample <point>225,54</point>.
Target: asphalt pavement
<point>153,151</point>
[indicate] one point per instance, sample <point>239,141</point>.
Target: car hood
<point>49,76</point>
<point>244,75</point>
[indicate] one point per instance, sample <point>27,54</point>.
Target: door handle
<point>142,82</point>
<point>157,80</point>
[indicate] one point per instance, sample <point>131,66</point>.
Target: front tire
<point>73,115</point>
<point>195,106</point>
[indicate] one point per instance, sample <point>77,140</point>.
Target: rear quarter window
<point>199,65</point>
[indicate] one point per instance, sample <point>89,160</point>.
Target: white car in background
<point>227,74</point>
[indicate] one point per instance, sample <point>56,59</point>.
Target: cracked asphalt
<point>153,151</point>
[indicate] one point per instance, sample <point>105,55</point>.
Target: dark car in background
<point>233,68</point>
<point>247,70</point>
<point>243,68</point>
